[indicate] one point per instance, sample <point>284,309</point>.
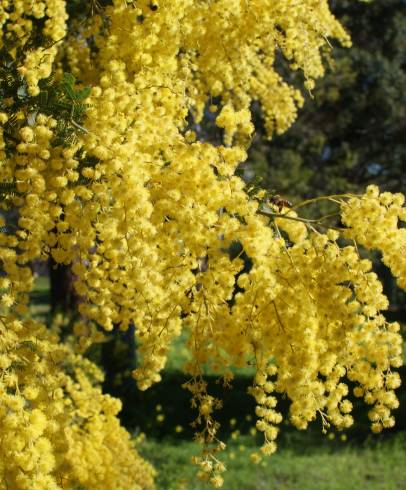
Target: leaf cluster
<point>60,99</point>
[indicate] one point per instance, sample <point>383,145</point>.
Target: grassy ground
<point>329,467</point>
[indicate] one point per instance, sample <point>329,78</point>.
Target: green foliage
<point>62,99</point>
<point>65,103</point>
<point>7,188</point>
<point>78,8</point>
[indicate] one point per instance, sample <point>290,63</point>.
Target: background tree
<point>350,132</point>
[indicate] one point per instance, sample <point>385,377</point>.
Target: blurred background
<point>350,133</point>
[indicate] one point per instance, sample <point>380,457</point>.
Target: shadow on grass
<point>164,412</point>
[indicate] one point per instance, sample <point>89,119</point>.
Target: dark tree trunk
<point>62,294</point>
<point>118,358</point>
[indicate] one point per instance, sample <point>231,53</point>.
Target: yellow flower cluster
<point>57,428</point>
<point>145,213</point>
<point>35,41</point>
<point>373,222</point>
<point>234,122</point>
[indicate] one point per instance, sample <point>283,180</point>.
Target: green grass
<point>335,466</point>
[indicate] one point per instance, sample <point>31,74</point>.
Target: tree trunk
<point>63,297</point>
<point>118,358</point>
